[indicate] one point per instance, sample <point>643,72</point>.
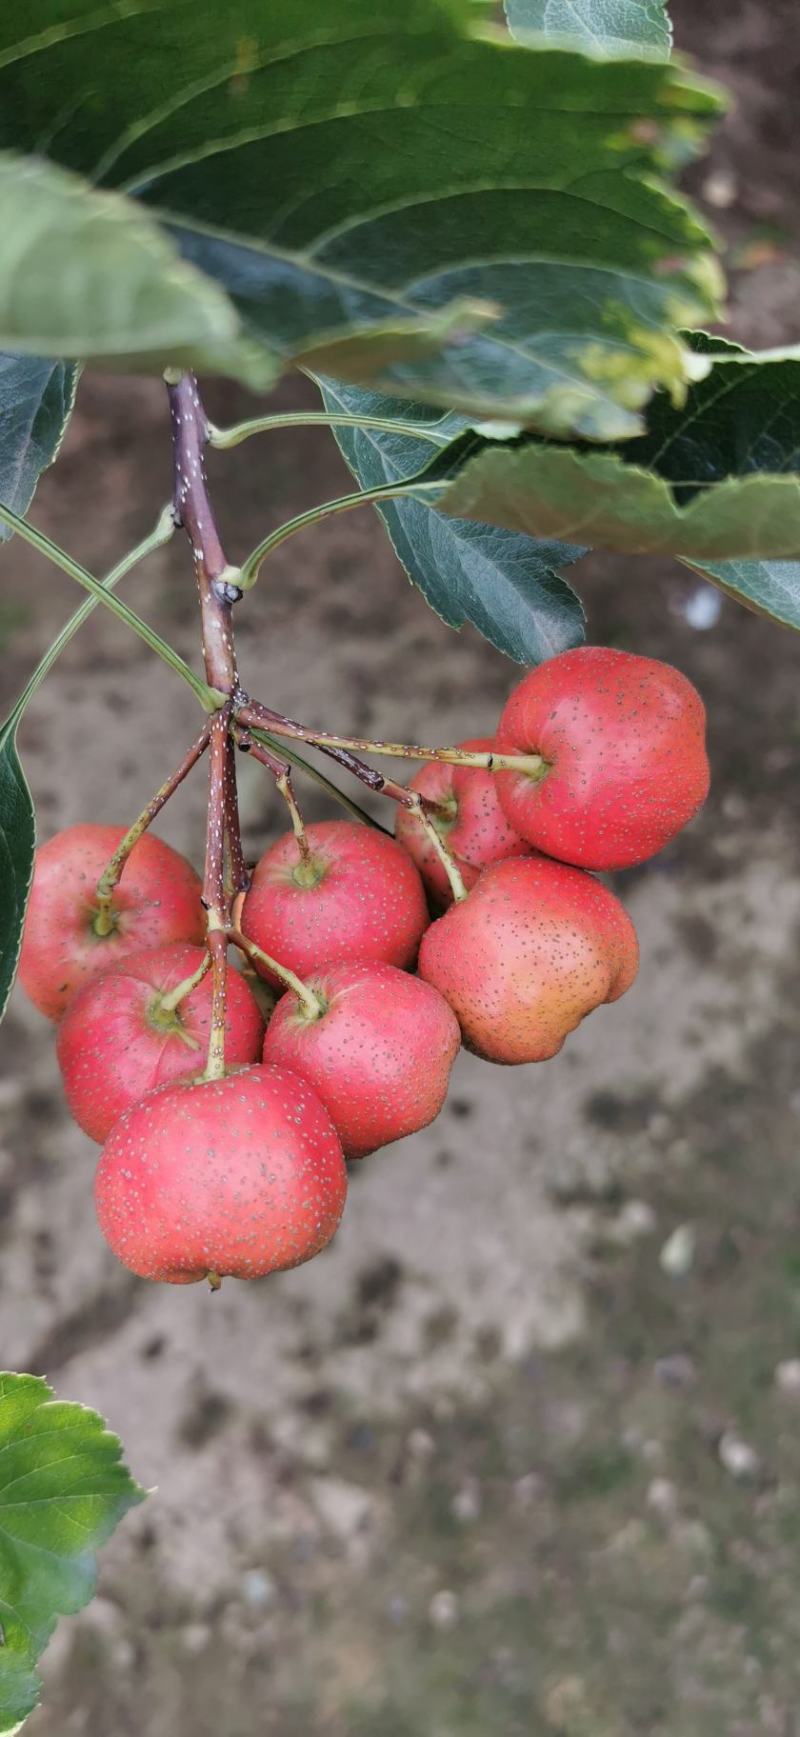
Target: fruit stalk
<point>282,773</point>
<point>172,998</point>
<point>252,712</point>
<point>104,921</point>
<point>305,994</point>
<point>421,810</point>
<point>237,873</point>
<point>400,793</point>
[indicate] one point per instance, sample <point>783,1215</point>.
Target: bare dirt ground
<point>519,1455</point>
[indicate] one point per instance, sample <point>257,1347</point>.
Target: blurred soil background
<point>520,1454</point>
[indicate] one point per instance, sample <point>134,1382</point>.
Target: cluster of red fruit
<point>246,1174</point>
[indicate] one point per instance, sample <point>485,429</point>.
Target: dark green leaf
<point>63,1489</point>
<point>36,398</point>
<point>742,420</point>
<point>715,482</point>
<point>506,585</point>
<point>737,422</point>
<point>334,166</point>
<point>17,842</point>
<point>626,27</point>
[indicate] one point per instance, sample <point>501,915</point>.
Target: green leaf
<point>714,482</point>
<point>396,196</point>
<point>90,273</point>
<point>36,398</point>
<point>551,491</point>
<point>740,420</point>
<point>624,27</point>
<point>767,587</point>
<point>17,844</point>
<point>506,585</point>
<point>63,1489</point>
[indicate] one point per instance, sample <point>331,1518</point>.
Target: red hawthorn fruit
<point>378,1056</point>
<point>361,898</point>
<point>242,1176</point>
<point>532,949</point>
<point>116,1042</point>
<point>157,901</point>
<point>623,738</point>
<point>472,824</point>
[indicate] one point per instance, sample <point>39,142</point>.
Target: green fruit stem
<point>173,998</point>
<point>314,1007</point>
<point>282,773</point>
<point>253,713</point>
<point>104,919</point>
<point>440,845</point>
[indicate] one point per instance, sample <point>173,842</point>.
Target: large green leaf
<point>343,166</point>
<point>63,1489</point>
<point>714,482</point>
<point>17,843</point>
<point>88,273</point>
<point>552,491</point>
<point>606,26</point>
<point>507,585</point>
<point>36,398</point>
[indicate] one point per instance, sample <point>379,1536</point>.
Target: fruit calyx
<point>313,1006</point>
<point>103,920</point>
<point>309,872</point>
<point>168,1020</point>
<point>538,769</point>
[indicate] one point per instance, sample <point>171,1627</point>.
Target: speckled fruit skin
<point>113,1045</point>
<point>157,900</point>
<point>242,1177</point>
<point>379,1057</point>
<point>624,737</point>
<point>369,902</point>
<point>531,950</point>
<point>477,832</point>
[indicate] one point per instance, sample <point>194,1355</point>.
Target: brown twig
<point>216,578</point>
<point>214,894</point>
<point>218,591</point>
